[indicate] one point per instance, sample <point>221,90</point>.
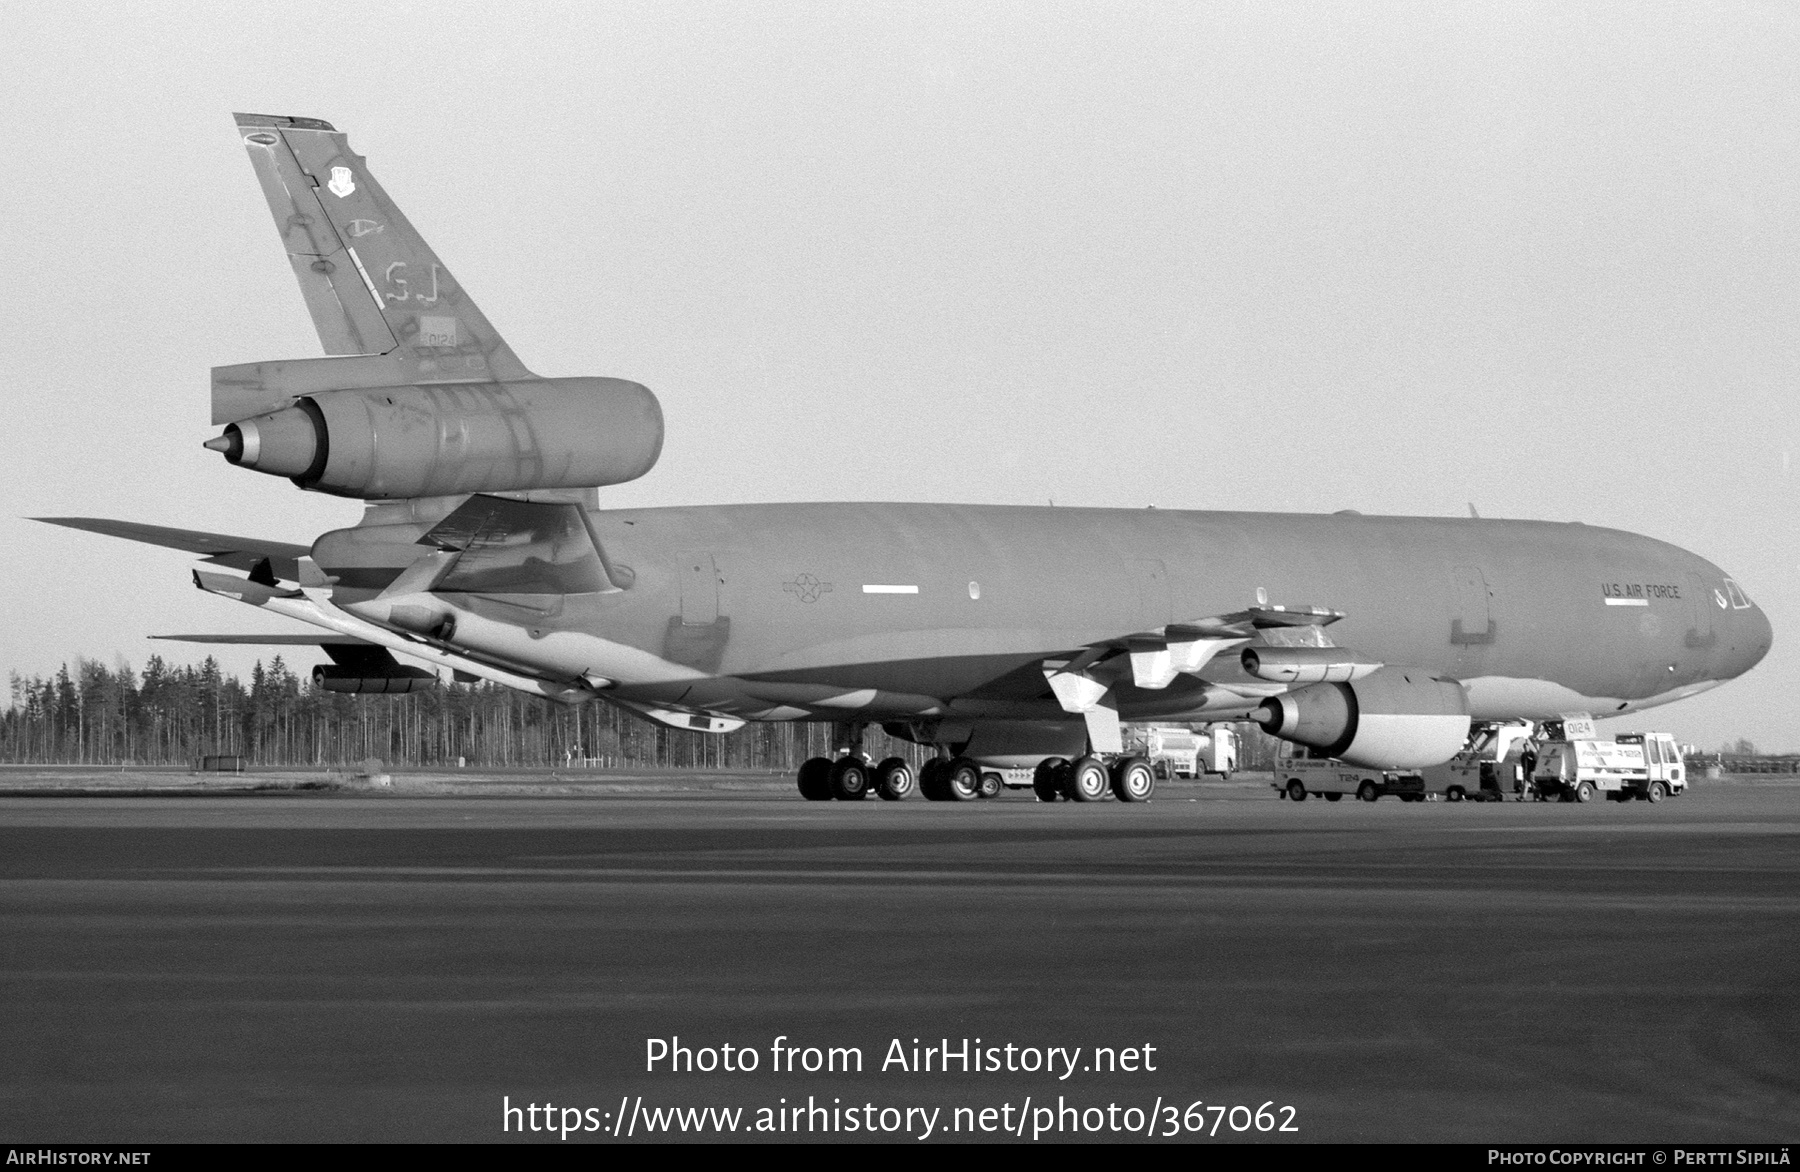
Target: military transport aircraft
<point>1004,636</point>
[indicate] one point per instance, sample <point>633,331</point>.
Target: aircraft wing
<point>1156,657</point>
<point>1085,683</point>
<point>239,553</point>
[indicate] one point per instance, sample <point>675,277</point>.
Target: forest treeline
<point>175,714</point>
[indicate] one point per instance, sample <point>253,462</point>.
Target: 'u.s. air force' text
<point>959,1056</point>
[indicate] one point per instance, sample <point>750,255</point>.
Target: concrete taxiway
<point>332,966</point>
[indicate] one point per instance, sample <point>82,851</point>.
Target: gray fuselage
<point>894,610</point>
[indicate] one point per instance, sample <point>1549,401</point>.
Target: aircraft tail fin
<point>371,283</point>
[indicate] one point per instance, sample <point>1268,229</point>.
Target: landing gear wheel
<point>1086,780</point>
<point>1584,791</point>
<point>849,779</point>
<point>1332,797</point>
<point>1133,780</point>
<point>931,780</point>
<point>1043,780</point>
<point>1657,792</point>
<point>893,779</point>
<point>962,780</point>
<point>815,779</point>
<point>1296,790</point>
<point>1454,794</point>
<point>991,785</point>
<point>1367,792</point>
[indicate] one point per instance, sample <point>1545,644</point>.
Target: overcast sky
<point>1395,258</point>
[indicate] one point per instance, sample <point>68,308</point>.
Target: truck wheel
<point>1296,791</point>
<point>1584,791</point>
<point>1367,791</point>
<point>893,779</point>
<point>1331,797</point>
<point>1043,779</point>
<point>1135,781</point>
<point>1086,780</point>
<point>815,779</point>
<point>1454,794</point>
<point>1657,791</point>
<point>991,785</point>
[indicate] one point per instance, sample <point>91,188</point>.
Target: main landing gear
<point>958,779</point>
<point>1089,779</point>
<point>849,777</point>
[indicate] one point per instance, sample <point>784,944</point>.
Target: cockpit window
<point>1738,601</point>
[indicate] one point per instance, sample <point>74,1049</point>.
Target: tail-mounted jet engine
<point>1393,718</point>
<point>438,440</point>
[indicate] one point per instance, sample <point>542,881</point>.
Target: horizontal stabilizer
<point>320,640</point>
<point>238,553</point>
<point>347,651</point>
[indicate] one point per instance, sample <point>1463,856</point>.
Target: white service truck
<point>1643,766</point>
<point>1182,752</point>
<point>1301,773</point>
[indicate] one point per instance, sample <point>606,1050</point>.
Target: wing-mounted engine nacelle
<point>1307,665</point>
<point>439,440</point>
<point>1392,718</point>
<point>334,678</point>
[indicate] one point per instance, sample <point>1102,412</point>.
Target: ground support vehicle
<point>1490,770</point>
<point>1634,766</point>
<point>1301,774</point>
<point>1181,752</point>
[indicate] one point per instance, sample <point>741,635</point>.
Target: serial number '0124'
<point>1172,1120</point>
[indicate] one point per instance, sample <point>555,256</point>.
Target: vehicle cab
<point>1662,759</point>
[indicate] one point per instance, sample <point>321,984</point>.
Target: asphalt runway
<point>384,967</point>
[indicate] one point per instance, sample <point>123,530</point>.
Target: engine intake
<point>411,441</point>
<point>1392,718</point>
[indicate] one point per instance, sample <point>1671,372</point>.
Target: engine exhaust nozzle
<point>289,442</point>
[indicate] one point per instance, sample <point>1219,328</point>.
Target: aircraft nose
<point>1758,636</point>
